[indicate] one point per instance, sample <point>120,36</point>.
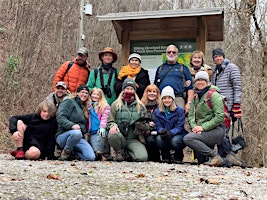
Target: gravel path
<point>22,179</point>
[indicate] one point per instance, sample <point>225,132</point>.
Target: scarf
<point>129,97</point>
<point>129,72</point>
<point>106,66</point>
<point>200,93</point>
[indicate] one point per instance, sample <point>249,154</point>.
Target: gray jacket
<point>229,82</point>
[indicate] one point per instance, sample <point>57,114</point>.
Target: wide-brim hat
<point>108,50</point>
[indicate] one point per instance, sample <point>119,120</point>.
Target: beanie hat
<point>202,75</point>
<point>82,87</point>
<point>128,82</point>
<point>83,51</point>
<point>167,91</point>
<point>218,51</point>
<point>135,55</point>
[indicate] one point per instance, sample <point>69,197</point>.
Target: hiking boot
<point>57,152</point>
<point>65,155</point>
<point>13,153</point>
<point>20,154</point>
<point>100,156</point>
<point>214,161</point>
<point>119,157</point>
<point>235,160</point>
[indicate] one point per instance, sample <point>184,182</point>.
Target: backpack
<point>227,118</point>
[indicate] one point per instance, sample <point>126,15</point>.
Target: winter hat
<point>167,91</point>
<point>218,51</point>
<point>202,75</point>
<point>128,82</point>
<point>61,83</point>
<point>83,51</point>
<point>82,87</point>
<point>135,55</point>
<point>108,50</point>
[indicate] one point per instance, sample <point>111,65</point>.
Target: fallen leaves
<point>53,176</point>
<point>210,181</point>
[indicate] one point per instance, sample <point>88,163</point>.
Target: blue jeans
<point>99,144</point>
<point>175,143</point>
<point>72,140</point>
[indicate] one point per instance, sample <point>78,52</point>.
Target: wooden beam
<point>202,35</point>
<point>126,43</point>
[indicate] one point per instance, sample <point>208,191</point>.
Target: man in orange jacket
<point>74,73</point>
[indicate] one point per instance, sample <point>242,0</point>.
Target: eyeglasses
<point>173,52</point>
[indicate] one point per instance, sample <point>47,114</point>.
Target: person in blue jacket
<point>169,120</point>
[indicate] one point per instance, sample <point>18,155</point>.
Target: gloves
<point>165,134</point>
<point>237,110</point>
<point>101,132</point>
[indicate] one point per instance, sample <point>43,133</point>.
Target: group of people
<point>108,113</point>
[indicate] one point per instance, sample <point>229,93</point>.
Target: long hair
<point>201,55</point>
<point>162,107</point>
<point>46,104</point>
<point>148,89</point>
<point>119,103</point>
<point>85,105</point>
<point>102,102</point>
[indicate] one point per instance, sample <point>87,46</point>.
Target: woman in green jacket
<point>121,123</point>
<point>206,123</point>
<point>72,119</point>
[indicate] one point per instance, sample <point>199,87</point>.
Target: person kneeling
<point>206,123</point>
<point>34,133</point>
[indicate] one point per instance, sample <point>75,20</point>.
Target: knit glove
<point>165,134</point>
<point>101,132</point>
<point>237,110</point>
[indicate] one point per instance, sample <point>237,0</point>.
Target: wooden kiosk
<point>200,25</point>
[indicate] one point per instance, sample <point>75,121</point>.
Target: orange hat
<point>108,50</point>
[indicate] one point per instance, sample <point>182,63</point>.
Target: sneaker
<point>177,162</point>
<point>13,153</point>
<point>20,155</point>
<point>100,157</point>
<point>214,161</point>
<point>235,160</point>
<point>65,155</point>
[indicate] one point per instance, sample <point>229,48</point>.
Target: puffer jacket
<point>76,76</point>
<point>69,114</point>
<point>174,123</point>
<point>200,113</point>
<point>125,117</point>
<point>229,82</point>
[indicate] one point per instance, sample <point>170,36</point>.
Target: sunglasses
<point>173,52</point>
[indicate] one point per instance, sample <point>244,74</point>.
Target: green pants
<point>135,148</point>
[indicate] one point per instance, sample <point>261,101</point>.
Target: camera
<point>107,91</point>
<point>238,143</point>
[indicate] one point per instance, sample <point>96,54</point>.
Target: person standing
<point>177,76</point>
<point>104,76</point>
<point>134,71</point>
<point>169,120</point>
<point>197,63</point>
<point>72,118</point>
<point>74,73</point>
<point>34,133</point>
<point>125,111</point>
<point>206,123</point>
<point>227,77</point>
